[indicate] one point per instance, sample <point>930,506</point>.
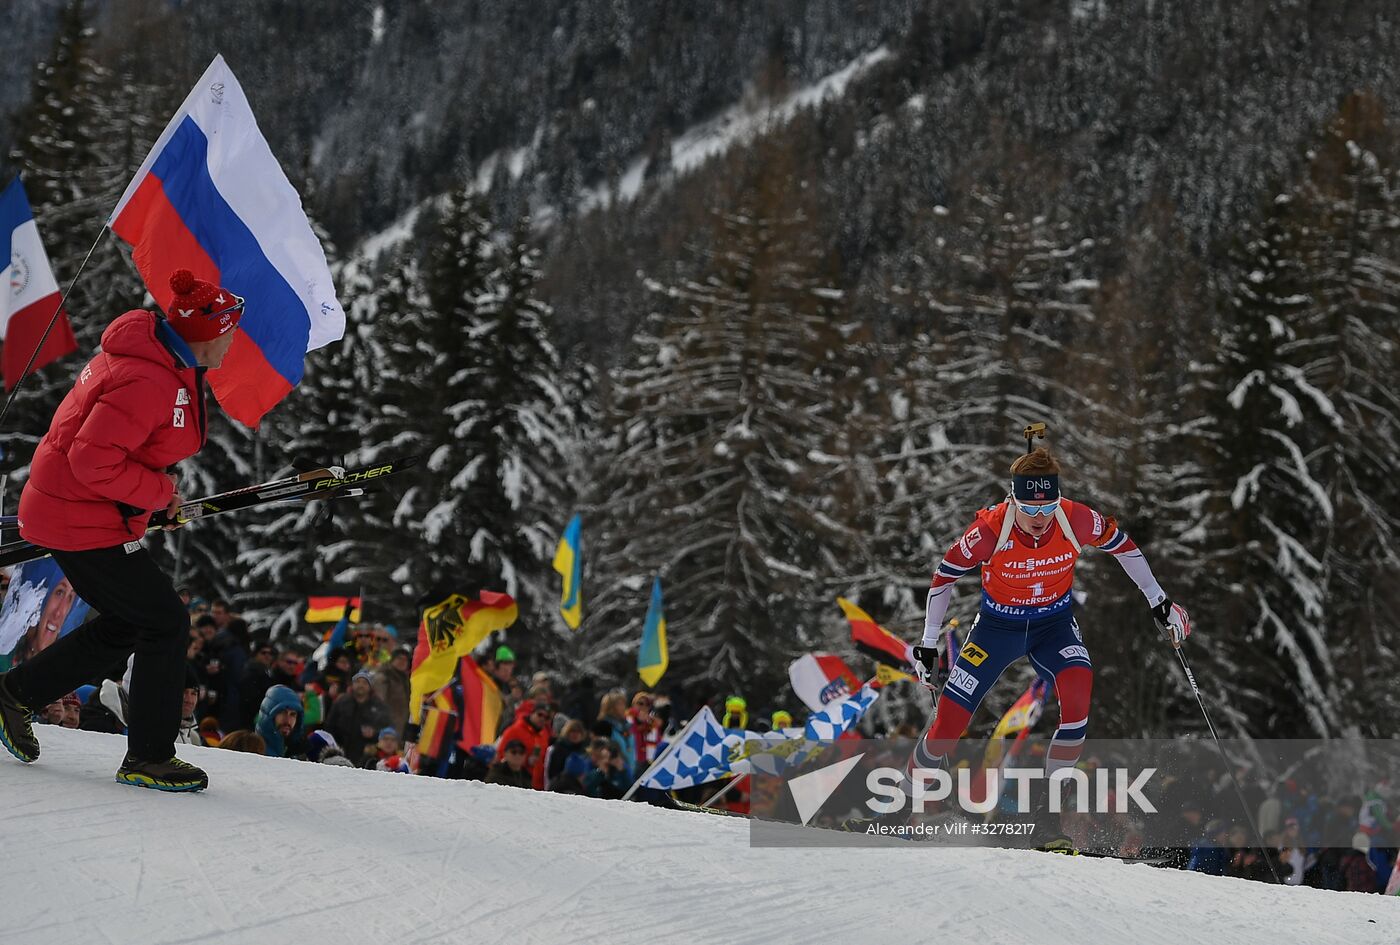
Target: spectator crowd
<point>350,707</point>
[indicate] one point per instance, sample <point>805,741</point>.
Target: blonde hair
<point>613,705</point>
<point>1036,463</point>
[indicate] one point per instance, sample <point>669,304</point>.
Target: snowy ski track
<point>291,852</point>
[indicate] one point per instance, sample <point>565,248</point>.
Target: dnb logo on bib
<point>1075,653</point>
<point>962,680</point>
<point>974,654</point>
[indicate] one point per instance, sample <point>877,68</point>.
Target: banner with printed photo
<point>40,607</point>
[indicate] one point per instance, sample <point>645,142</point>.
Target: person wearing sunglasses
<point>98,474</point>
<point>1026,548</point>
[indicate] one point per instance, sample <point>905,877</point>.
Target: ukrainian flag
<point>567,561</point>
<point>653,659</point>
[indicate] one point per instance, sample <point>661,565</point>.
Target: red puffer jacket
<point>536,741</point>
<point>136,409</point>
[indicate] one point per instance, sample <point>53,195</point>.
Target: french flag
<point>33,296</point>
<point>211,198</point>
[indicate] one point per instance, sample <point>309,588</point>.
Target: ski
<point>234,498</point>
<point>246,496</point>
<point>1151,859</point>
<point>326,483</point>
<point>699,809</point>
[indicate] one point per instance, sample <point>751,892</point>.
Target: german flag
<point>449,631</point>
<point>874,640</point>
<point>439,722</point>
<point>330,609</point>
<point>481,706</point>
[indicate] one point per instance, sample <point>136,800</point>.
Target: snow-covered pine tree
<point>585,460</point>
<point>340,546</point>
<point>472,381</point>
<point>714,422</point>
<point>508,484</point>
<point>1270,633</point>
<point>1012,317</point>
<point>402,410</point>
<point>1348,348</point>
<point>1143,462</point>
<point>1006,300</point>
<point>921,494</point>
<point>58,135</point>
<point>434,363</point>
<point>423,319</point>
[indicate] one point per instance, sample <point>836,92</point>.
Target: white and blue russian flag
<point>211,198</point>
<point>29,294</point>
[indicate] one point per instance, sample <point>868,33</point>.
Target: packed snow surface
<point>290,852</point>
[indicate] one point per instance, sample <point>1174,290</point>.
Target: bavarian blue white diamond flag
<point>705,751</point>
<point>697,757</point>
<point>774,752</point>
<point>838,717</point>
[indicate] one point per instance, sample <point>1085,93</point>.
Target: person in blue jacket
<point>279,723</point>
<point>1208,854</point>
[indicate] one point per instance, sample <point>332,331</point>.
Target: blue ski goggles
<point>1036,510</point>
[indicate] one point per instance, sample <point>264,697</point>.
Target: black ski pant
<point>139,612</point>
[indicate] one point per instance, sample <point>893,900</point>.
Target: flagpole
<point>58,310</point>
<point>671,746</point>
<point>733,782</point>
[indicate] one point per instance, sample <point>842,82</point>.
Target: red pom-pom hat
<point>201,311</point>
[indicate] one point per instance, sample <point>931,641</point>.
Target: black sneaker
<point>170,775</point>
<point>16,734</point>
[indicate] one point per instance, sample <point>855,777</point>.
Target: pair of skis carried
<point>325,483</point>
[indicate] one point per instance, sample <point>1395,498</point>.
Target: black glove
<point>926,665</point>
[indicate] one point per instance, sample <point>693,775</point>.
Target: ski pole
<point>1229,768</point>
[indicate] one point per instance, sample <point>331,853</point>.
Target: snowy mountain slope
<point>280,851</point>
<point>735,126</point>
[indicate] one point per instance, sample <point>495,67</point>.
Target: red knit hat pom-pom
<point>200,310</point>
<point>182,282</point>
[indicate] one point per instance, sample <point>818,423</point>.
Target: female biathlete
<point>1027,547</point>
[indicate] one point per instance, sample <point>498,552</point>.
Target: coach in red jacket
<point>97,476</point>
